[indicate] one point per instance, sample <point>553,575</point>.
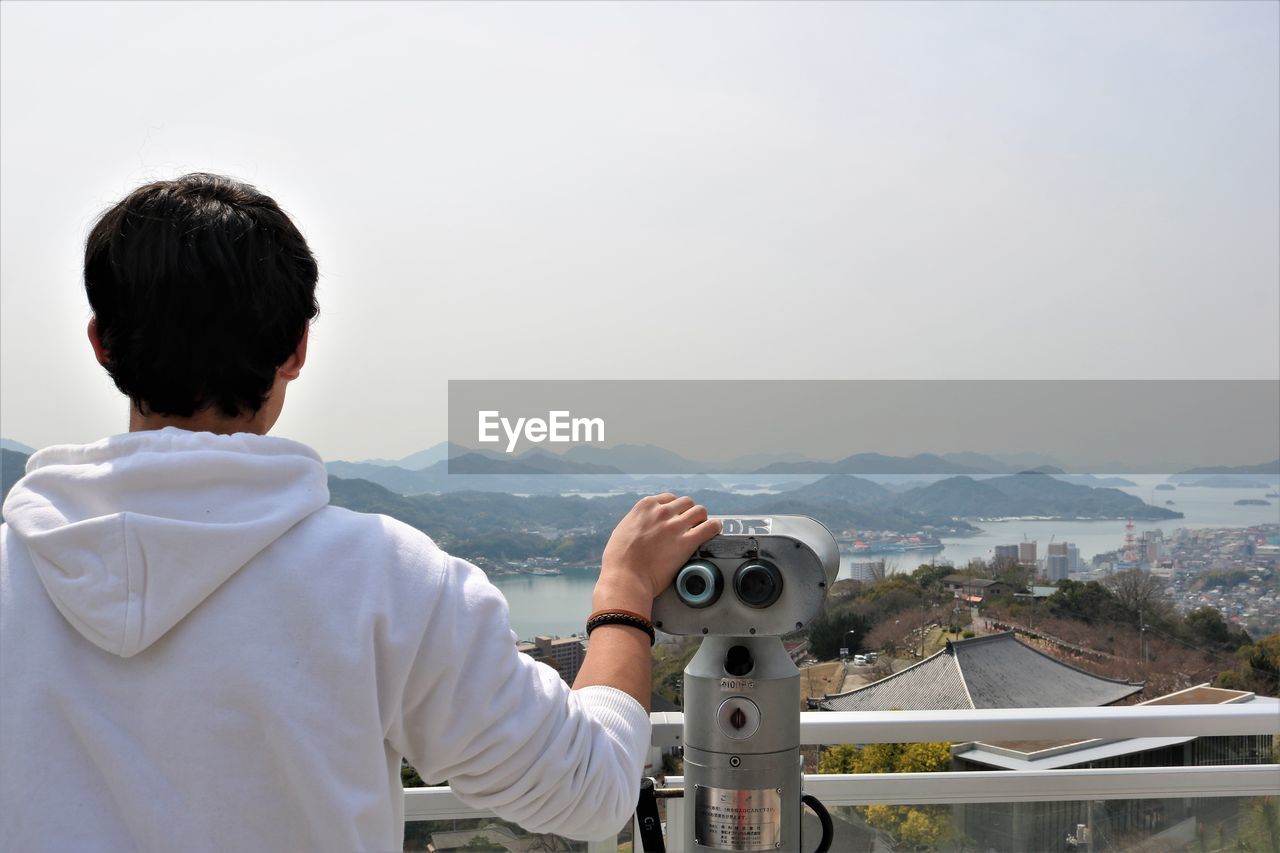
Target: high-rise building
<point>1027,553</point>
<point>1073,559</point>
<point>867,571</point>
<point>1056,566</point>
<point>564,655</point>
<point>1006,555</point>
<point>1153,546</point>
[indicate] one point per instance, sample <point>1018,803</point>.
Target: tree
<point>884,638</point>
<point>837,759</point>
<point>1084,601</point>
<point>1141,595</point>
<point>1016,576</point>
<point>931,576</point>
<point>829,632</point>
<point>1260,824</point>
<point>1258,669</point>
<point>409,777</point>
<point>923,826</point>
<point>924,758</point>
<point>922,829</point>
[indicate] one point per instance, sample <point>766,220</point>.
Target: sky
<point>664,191</point>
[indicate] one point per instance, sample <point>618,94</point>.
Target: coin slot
<point>739,662</point>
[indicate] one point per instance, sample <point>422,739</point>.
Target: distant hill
<point>853,501</point>
<point>490,523</point>
<point>843,486</point>
<point>364,496</point>
<point>1225,481</point>
<point>533,472</point>
<point>16,446</point>
<point>638,459</point>
<point>873,463</point>
<point>1003,463</point>
<point>959,497</point>
<point>752,461</point>
<point>1096,482</point>
<point>532,462</point>
<point>415,461</point>
<point>1272,468</point>
<point>1220,476</point>
<point>676,483</point>
<point>12,466</point>
<point>1027,494</point>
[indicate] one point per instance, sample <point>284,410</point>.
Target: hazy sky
<point>665,190</point>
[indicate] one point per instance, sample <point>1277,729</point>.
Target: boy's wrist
<point>623,593</point>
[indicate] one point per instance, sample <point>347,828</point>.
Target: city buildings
<point>1006,555</point>
<point>564,655</point>
<point>1056,567</point>
<point>973,590</point>
<point>867,571</point>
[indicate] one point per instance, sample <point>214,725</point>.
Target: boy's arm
<point>645,552</point>
<point>505,731</point>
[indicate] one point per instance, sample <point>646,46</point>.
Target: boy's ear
<point>292,367</point>
<point>95,340</point>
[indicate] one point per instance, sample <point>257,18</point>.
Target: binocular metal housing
<point>761,576</point>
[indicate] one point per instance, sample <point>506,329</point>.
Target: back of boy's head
<point>201,287</point>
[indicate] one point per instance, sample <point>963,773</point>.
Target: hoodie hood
<point>132,533</point>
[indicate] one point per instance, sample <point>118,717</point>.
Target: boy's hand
<point>646,550</point>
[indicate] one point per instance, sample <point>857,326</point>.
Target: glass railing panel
<point>1155,825</point>
<point>482,835</point>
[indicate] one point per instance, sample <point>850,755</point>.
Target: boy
<point>198,652</point>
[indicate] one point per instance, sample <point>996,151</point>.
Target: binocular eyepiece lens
<point>758,583</point>
<point>699,584</point>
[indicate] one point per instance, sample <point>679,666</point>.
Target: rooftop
<point>965,580</point>
<point>997,671</point>
<point>1052,754</point>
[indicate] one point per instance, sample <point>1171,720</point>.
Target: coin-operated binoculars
<point>742,591</point>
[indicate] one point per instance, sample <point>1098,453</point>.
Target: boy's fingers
<point>694,515</point>
<point>680,504</point>
<point>700,533</point>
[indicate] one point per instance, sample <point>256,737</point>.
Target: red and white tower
<point>1130,545</point>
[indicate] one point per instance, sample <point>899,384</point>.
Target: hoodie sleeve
<point>505,731</point>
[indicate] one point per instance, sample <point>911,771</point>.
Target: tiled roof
<point>996,671</point>
<point>935,683</point>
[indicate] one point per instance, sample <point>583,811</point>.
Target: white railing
<point>1000,724</point>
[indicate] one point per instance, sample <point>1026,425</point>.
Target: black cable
<point>824,817</point>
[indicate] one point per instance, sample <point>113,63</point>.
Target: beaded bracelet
<point>621,617</point>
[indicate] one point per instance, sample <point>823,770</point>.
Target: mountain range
<point>1222,476</point>
<point>840,500</point>
<point>648,458</point>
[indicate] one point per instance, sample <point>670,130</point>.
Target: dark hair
<point>202,287</point>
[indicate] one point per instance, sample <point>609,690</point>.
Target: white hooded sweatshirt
<point>197,652</point>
